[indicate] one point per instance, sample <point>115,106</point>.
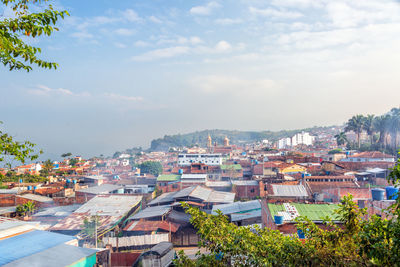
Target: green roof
<point>235,167</point>
<point>314,212</point>
<point>168,177</point>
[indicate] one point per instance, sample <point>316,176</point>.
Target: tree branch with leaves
<point>15,51</point>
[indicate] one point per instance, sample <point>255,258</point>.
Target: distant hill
<point>235,137</point>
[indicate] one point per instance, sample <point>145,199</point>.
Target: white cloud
<point>162,53</point>
<point>205,10</point>
<point>123,97</point>
<point>82,35</point>
<point>233,86</point>
<point>131,15</point>
<point>223,46</point>
<point>352,14</point>
<point>124,32</point>
<point>155,19</point>
<point>180,40</point>
<point>42,90</point>
<point>120,45</point>
<point>141,43</point>
<point>298,3</point>
<point>274,13</point>
<point>228,21</point>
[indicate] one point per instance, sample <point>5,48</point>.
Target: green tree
<point>356,124</point>
<point>369,126</point>
<point>341,138</point>
<point>11,150</point>
<point>65,155</point>
<point>358,241</point>
<point>381,125</point>
<point>26,209</point>
<point>394,127</point>
<point>73,162</point>
<point>47,167</point>
<point>151,167</point>
<point>15,52</point>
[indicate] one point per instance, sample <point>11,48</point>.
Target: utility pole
<point>95,230</point>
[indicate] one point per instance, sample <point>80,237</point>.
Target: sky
<point>132,71</point>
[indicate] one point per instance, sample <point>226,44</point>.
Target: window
<point>252,190</point>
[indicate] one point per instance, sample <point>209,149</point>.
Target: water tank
<point>377,194</point>
<point>29,187</point>
<point>256,162</point>
<point>180,171</point>
<point>120,191</point>
<point>74,181</point>
<point>35,187</point>
<point>278,219</point>
<point>68,181</point>
<point>391,192</point>
<point>301,234</point>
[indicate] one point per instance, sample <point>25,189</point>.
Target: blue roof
<point>27,244</point>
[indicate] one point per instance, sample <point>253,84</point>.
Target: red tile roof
<point>371,154</point>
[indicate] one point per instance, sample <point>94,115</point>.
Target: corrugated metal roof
<point>315,212</point>
<point>247,215</point>
<point>235,167</point>
<point>168,177</point>
<point>9,191</point>
<point>37,198</point>
<point>27,244</point>
<point>148,226</point>
<point>289,190</point>
<point>101,189</point>
<point>109,205</point>
<point>59,211</point>
<point>109,208</point>
<point>184,192</point>
<point>245,182</point>
<point>221,197</point>
<point>200,192</point>
<point>203,193</point>
<point>164,198</point>
<point>194,176</point>
<point>150,212</point>
<point>237,207</point>
<point>5,210</point>
<point>61,255</point>
<point>218,184</point>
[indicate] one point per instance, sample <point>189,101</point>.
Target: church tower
<point>209,142</point>
<point>226,141</point>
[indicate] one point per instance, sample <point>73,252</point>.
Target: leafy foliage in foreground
<point>15,52</point>
<point>358,241</point>
<point>15,151</point>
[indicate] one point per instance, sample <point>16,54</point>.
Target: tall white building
<point>302,138</point>
<point>208,159</point>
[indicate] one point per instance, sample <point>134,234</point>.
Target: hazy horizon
<point>133,72</point>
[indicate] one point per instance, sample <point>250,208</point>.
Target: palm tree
<point>356,124</point>
<point>381,125</point>
<point>47,167</point>
<point>369,126</point>
<point>341,138</point>
<point>29,207</point>
<point>394,125</point>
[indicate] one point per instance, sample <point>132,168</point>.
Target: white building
<point>208,159</point>
<point>284,143</point>
<point>302,138</point>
